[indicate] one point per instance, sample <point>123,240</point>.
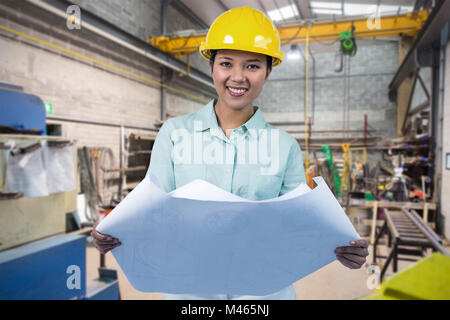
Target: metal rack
<point>407,235</point>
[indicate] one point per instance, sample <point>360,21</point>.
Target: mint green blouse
<point>258,161</point>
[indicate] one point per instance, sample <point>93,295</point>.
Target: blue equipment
<point>20,110</point>
<point>53,268</point>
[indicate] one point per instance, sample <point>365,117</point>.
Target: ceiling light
<point>325,5</point>
<point>327,11</point>
<point>355,9</point>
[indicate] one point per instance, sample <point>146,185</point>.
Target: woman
<point>227,142</point>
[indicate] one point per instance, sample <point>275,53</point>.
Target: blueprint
<point>200,239</point>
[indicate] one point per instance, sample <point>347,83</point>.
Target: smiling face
<point>239,77</point>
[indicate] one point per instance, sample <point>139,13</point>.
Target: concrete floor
<point>332,282</point>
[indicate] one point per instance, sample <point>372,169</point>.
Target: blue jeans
<point>287,293</point>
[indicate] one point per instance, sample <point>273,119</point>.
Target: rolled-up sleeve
<point>161,161</point>
<point>295,172</point>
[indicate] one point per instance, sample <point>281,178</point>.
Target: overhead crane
<point>409,24</point>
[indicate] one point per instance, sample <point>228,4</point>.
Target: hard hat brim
<point>205,51</point>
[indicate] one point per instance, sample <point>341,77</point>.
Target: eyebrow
<point>250,60</point>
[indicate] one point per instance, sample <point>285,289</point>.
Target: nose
<point>237,75</point>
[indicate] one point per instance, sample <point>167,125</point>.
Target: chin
<point>238,105</point>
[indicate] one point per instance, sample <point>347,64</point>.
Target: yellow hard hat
<point>245,29</point>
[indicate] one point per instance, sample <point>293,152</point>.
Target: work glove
<point>103,242</point>
<point>353,256</point>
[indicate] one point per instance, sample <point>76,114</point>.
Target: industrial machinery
<point>42,254</point>
<point>53,268</point>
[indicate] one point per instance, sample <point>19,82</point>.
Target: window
<point>356,9</point>
<point>284,13</point>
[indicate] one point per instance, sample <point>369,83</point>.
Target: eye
<point>225,64</point>
<point>253,66</point>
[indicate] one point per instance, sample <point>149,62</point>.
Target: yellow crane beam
<point>187,42</point>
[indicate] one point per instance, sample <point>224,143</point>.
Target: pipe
<point>99,123</point>
<point>96,30</point>
<point>287,123</point>
<point>164,5</point>
<point>121,161</point>
<point>335,19</point>
<point>338,77</point>
<point>306,104</point>
<point>313,102</point>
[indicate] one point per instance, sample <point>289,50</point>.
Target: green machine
<point>428,279</point>
<point>348,42</point>
<point>347,47</point>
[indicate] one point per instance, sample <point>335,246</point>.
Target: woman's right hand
<point>103,242</point>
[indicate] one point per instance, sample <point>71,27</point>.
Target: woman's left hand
<point>353,256</point>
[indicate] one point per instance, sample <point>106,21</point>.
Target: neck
<point>229,119</point>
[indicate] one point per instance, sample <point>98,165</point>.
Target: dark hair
<point>214,53</point>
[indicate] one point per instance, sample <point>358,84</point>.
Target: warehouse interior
<point>85,86</point>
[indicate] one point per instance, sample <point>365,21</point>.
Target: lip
<point>236,94</point>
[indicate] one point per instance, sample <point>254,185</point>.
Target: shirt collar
<point>207,119</point>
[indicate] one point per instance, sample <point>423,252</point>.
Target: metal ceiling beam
<point>419,54</point>
<point>278,8</point>
<point>422,4</point>
<point>188,13</point>
<point>222,5</point>
<point>300,13</point>
<point>263,7</point>
<point>164,4</point>
<point>304,8</point>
